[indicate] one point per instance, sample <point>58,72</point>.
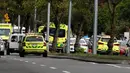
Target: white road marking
<point>114,65</point>
<point>94,63</point>
<point>16,59</point>
<point>117,66</point>
<point>26,61</point>
<point>3,56</point>
<point>65,71</point>
<point>42,65</point>
<point>127,67</point>
<point>53,67</point>
<point>33,63</point>
<point>21,60</point>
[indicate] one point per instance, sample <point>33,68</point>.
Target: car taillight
<point>23,44</point>
<point>99,43</point>
<point>44,44</point>
<point>116,44</point>
<point>84,45</point>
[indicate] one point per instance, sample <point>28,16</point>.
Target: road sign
<point>6,17</point>
<point>7,20</point>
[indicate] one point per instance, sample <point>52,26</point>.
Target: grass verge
<point>80,55</point>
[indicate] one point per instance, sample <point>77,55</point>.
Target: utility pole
<point>95,27</point>
<point>48,23</point>
<point>35,16</point>
<point>69,26</point>
<point>19,23</point>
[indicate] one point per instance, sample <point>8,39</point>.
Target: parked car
<point>90,43</point>
<point>2,46</point>
<point>123,48</point>
<point>82,44</point>
<point>103,45</point>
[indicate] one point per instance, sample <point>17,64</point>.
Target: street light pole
<point>48,23</point>
<point>95,27</point>
<point>35,14</point>
<point>69,26</point>
<point>18,23</point>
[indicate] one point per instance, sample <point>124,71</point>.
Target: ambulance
<point>62,35</point>
<point>32,43</point>
<point>5,30</point>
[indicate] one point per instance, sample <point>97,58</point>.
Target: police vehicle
<point>33,43</point>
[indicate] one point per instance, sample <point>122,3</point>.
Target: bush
<point>79,50</point>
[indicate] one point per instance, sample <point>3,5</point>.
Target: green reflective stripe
<point>58,45</point>
<point>41,46</point>
<point>29,46</point>
<point>34,46</point>
<point>61,45</point>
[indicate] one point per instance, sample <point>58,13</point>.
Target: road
<point>38,64</point>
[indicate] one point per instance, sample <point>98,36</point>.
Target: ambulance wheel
<point>45,54</point>
<point>98,52</point>
<point>8,52</point>
<point>21,54</point>
<point>58,51</point>
<point>62,51</point>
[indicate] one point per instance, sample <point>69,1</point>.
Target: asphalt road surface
<point>38,64</point>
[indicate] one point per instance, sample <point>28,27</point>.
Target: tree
<point>123,13</point>
<point>82,14</point>
<point>25,8</point>
<point>59,11</point>
<point>15,8</point>
<point>112,4</point>
<point>3,9</point>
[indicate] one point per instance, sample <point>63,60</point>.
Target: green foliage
<point>79,50</point>
<point>103,19</point>
<point>59,9</point>
<point>124,10</point>
<point>82,14</point>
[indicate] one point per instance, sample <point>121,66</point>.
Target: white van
<point>13,45</point>
<point>2,46</point>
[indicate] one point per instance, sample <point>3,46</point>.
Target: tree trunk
<point>111,41</point>
<point>27,22</point>
<point>54,44</point>
<point>78,37</point>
